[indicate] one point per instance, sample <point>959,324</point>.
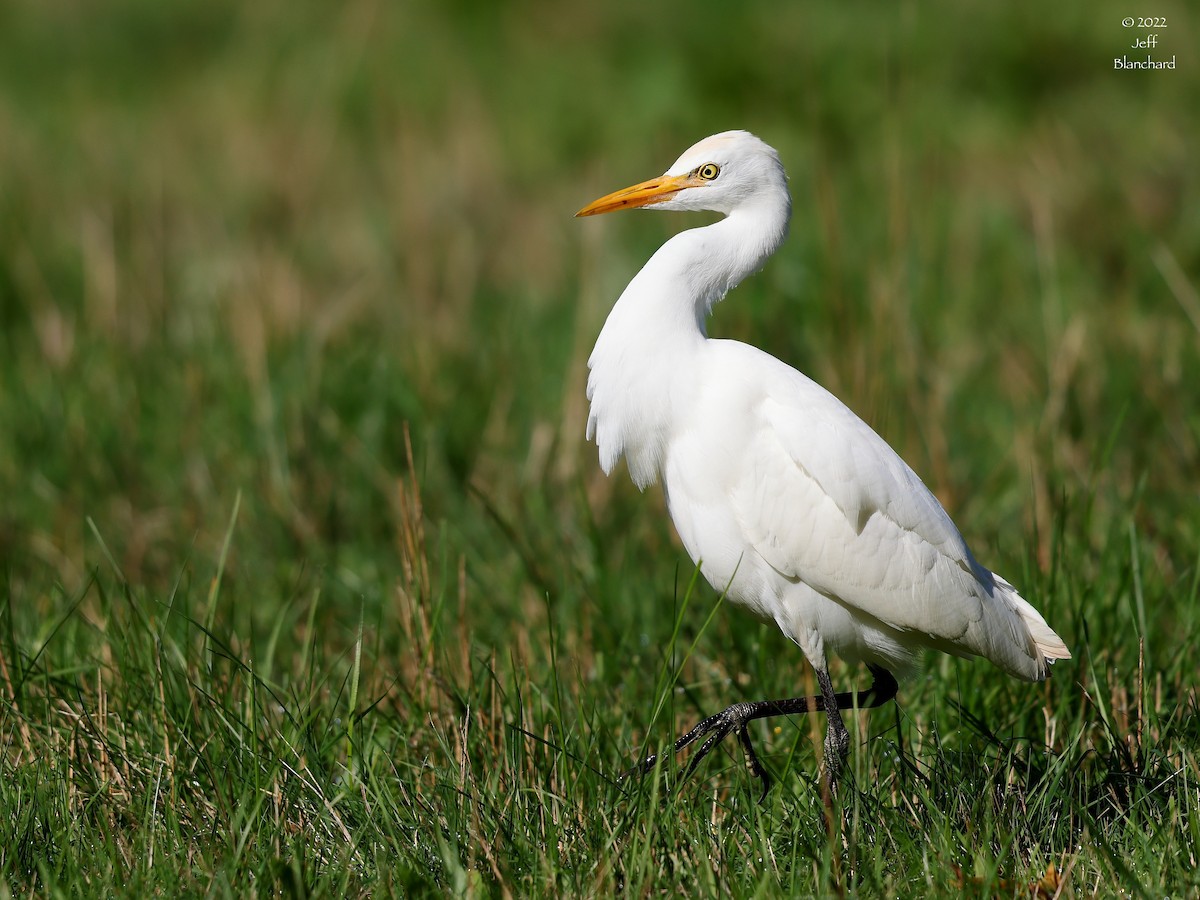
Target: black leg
<point>736,717</point>
<point>837,738</point>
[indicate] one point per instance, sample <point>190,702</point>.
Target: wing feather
<point>824,500</point>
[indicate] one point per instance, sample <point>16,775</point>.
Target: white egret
<point>786,500</point>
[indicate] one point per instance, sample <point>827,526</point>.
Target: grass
<point>311,585</point>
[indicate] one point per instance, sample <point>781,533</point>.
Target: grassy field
<point>311,585</point>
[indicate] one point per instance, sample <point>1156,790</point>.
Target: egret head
<point>720,173</point>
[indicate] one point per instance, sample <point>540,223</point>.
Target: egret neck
<point>643,364</point>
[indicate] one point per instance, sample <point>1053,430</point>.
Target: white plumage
<point>784,497</point>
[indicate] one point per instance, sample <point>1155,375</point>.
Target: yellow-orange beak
<point>656,190</point>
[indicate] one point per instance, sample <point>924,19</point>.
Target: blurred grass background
<point>298,526</point>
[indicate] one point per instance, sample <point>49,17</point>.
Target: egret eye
<point>709,171</point>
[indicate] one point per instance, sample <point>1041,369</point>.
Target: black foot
<point>735,718</point>
<point>715,728</point>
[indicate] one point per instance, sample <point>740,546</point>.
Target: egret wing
<point>826,501</point>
